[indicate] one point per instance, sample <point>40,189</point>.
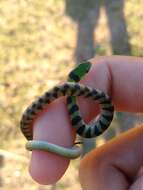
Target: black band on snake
<point>72,89</point>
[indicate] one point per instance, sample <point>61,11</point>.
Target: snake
<point>71,89</point>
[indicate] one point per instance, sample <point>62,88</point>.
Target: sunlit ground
<point>37,43</point>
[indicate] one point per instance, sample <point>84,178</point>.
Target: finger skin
<point>46,168</point>
<point>113,75</point>
<point>53,126</point>
<point>115,164</point>
<point>138,184</point>
<point>127,89</point>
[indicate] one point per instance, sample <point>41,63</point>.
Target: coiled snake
<point>71,89</point>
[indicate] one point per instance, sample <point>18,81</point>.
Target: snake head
<point>79,72</point>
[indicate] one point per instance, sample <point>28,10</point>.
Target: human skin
<point>118,163</point>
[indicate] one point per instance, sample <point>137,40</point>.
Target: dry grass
<point>37,42</point>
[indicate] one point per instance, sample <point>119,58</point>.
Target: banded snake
<point>71,89</point>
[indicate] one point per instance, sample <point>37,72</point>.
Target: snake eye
<point>74,76</point>
<point>66,86</point>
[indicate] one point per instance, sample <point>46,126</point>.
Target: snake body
<point>71,89</point>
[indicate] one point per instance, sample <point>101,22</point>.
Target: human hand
<point>114,165</point>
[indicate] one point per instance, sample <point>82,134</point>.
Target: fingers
<point>127,90</point>
<point>53,124</point>
<point>115,164</point>
<point>138,183</point>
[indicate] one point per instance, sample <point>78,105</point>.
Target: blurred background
<point>40,42</point>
